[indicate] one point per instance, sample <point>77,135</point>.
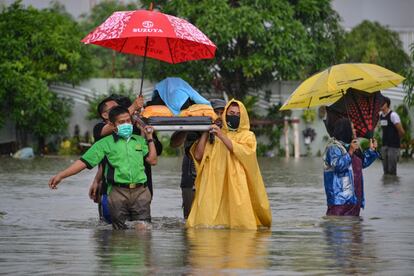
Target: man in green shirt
<point>128,196</point>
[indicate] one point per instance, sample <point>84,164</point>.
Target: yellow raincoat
<point>229,187</point>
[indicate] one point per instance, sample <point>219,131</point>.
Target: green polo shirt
<point>125,159</point>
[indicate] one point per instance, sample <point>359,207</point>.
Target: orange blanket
<point>193,110</point>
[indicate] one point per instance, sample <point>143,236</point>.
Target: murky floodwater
<point>57,232</point>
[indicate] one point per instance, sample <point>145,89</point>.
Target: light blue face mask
<point>125,130</point>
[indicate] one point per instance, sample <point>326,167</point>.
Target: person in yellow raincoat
<point>230,191</point>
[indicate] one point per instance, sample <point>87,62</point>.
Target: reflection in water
<point>346,246</point>
<point>390,179</point>
<point>217,249</point>
<point>123,252</point>
<point>57,232</point>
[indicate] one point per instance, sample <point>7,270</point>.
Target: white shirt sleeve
<point>395,118</point>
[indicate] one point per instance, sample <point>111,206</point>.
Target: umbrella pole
<point>346,107</point>
<point>310,100</point>
<point>143,65</point>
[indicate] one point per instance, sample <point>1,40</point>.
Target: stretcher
<point>195,118</point>
<point>196,123</point>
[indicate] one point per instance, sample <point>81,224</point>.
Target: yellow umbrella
<point>328,86</point>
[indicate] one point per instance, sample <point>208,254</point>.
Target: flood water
<point>57,232</point>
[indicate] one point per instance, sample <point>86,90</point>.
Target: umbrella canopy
<point>330,85</point>
<point>153,34</point>
<point>360,107</point>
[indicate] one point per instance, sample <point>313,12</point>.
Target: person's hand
<point>54,181</point>
<point>216,130</point>
<point>148,130</point>
<point>139,102</point>
<point>353,146</point>
<point>373,144</point>
<point>94,192</point>
<point>218,122</point>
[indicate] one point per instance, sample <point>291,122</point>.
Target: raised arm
<point>136,105</point>
<point>371,154</point>
<point>107,129</point>
<point>152,157</point>
<point>157,143</point>
<point>201,145</point>
<point>101,130</point>
<point>216,130</point>
<point>338,160</point>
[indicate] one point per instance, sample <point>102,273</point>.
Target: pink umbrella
<point>153,34</point>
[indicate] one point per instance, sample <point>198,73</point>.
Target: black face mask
<point>233,121</point>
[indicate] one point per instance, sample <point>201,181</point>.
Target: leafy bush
<point>309,116</point>
<point>167,150</point>
<point>406,141</point>
<point>38,47</point>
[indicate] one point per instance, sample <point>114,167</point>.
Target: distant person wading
<point>392,132</point>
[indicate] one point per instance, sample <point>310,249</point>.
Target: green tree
<point>38,47</point>
<point>371,42</point>
<point>257,42</point>
<point>404,113</point>
<point>109,63</point>
<point>322,24</point>
<point>409,80</point>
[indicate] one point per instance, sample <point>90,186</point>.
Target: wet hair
<point>124,101</point>
<point>232,104</point>
<point>102,104</point>
<point>343,130</point>
<point>387,101</point>
<point>115,112</point>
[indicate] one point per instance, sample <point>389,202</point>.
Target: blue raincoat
<point>338,174</point>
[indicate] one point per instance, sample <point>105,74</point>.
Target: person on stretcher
<point>174,97</point>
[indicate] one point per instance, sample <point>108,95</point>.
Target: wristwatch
<point>150,140</point>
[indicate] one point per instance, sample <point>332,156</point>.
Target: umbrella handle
<point>143,65</point>
<point>145,54</point>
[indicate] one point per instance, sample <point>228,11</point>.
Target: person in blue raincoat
<point>343,164</point>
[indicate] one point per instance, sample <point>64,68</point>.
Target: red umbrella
<point>153,34</point>
<point>360,107</point>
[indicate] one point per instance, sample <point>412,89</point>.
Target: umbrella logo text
<point>147,28</point>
